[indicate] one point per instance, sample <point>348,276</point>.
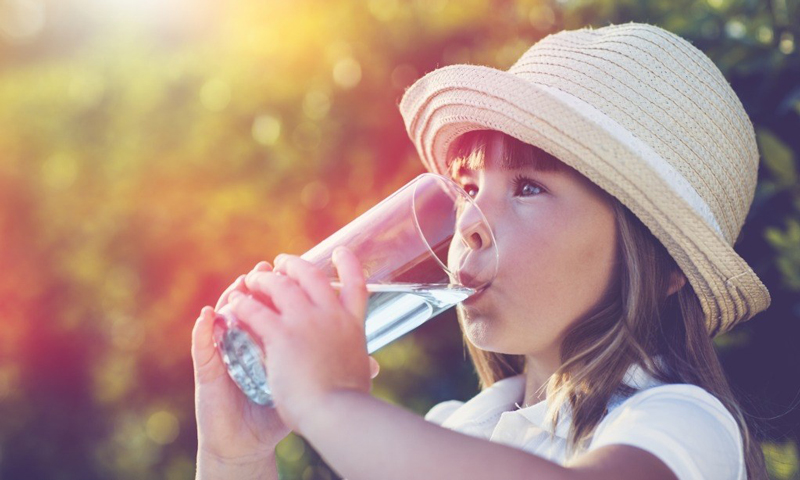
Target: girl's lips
<point>465,278</point>
<point>477,295</point>
<point>468,280</point>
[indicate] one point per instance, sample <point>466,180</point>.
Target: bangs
<point>469,151</point>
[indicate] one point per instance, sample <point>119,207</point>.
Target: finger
<point>315,283</point>
<point>374,367</point>
<point>283,291</point>
<point>354,290</point>
<point>236,285</point>
<point>263,266</point>
<point>239,284</point>
<point>259,319</point>
<point>203,350</point>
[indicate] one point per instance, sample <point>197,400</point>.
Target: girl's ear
<point>676,281</point>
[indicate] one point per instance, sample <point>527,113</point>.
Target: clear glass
<point>424,249</point>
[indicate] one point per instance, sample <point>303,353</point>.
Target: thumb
<point>354,289</point>
<point>203,348</point>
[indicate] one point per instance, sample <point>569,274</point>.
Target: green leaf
<point>781,460</point>
<point>775,237</point>
<point>778,158</point>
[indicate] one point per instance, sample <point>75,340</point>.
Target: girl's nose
<point>474,229</point>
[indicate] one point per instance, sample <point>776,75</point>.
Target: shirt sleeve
<point>684,426</point>
<point>441,411</point>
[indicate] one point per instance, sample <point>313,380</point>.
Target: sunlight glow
<point>168,15</point>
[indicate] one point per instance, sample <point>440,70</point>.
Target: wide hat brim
<point>456,99</point>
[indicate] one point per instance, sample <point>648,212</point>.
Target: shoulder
<point>685,426</point>
<point>666,402</point>
<point>441,411</point>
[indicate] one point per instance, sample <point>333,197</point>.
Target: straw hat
<point>642,114</point>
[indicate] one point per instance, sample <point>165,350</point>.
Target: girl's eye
<point>471,189</point>
<point>526,187</point>
<point>522,186</point>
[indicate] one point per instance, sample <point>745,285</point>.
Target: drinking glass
<point>423,249</point>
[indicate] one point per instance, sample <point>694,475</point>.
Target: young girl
<point>616,168</point>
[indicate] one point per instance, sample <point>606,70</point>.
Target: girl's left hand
<point>314,338</point>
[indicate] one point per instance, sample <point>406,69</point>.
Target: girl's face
<point>555,233</point>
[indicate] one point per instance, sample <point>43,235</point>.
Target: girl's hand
<point>230,428</point>
<point>314,338</point>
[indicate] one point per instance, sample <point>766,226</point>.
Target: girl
<point>616,168</point>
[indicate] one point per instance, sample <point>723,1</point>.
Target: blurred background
<point>153,150</point>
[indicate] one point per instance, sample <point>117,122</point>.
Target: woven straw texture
<point>641,113</point>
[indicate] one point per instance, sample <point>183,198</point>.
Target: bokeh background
<point>153,150</point>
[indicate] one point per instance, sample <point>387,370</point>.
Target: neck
<point>538,370</point>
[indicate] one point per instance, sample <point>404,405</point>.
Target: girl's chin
<point>481,333</point>
<point>487,335</point>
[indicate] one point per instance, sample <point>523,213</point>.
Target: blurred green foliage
<point>150,152</point>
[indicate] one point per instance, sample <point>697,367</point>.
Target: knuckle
<point>259,280</point>
<point>262,265</point>
<point>293,264</point>
<point>283,280</point>
<point>236,284</point>
<point>282,260</point>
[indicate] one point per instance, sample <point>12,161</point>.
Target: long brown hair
<point>636,321</point>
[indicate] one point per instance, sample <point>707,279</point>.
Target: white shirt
<point>681,424</point>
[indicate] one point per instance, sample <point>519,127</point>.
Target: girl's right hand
<point>231,428</point>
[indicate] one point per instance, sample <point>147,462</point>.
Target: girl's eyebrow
<point>463,171</point>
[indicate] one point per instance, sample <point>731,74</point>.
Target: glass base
<point>245,362</point>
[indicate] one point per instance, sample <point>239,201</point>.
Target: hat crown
<point>670,96</point>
